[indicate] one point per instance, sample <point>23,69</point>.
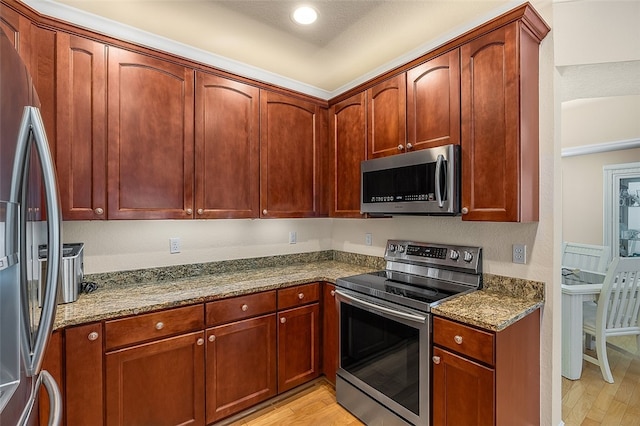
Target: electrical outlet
<point>293,237</point>
<point>368,238</point>
<point>174,245</point>
<point>519,253</point>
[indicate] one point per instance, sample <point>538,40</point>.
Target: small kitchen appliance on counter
<point>71,271</point>
<point>384,317</point>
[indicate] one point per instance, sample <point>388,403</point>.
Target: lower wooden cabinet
<point>329,332</point>
<point>158,383</point>
<point>241,365</point>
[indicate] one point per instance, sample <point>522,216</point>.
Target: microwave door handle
<point>439,162</point>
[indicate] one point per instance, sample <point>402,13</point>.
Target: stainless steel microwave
<point>423,182</point>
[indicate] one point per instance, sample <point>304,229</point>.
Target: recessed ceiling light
<point>304,15</point>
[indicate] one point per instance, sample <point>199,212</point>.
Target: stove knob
<point>392,247</point>
<point>454,255</point>
<point>400,248</point>
<point>468,256</point>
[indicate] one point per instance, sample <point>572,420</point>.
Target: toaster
<point>71,272</point>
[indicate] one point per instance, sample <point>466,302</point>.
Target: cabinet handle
<point>200,211</point>
<point>159,325</point>
<point>333,293</point>
<point>283,320</point>
<point>212,338</point>
<point>436,359</point>
<point>264,212</point>
<point>300,296</point>
<point>458,339</point>
<point>464,210</point>
<point>244,307</point>
<point>200,341</point>
<point>189,211</point>
<point>409,146</point>
<point>99,211</point>
<point>93,336</point>
<point>400,147</point>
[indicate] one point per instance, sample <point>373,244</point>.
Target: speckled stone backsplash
<point>515,287</point>
<point>170,273</point>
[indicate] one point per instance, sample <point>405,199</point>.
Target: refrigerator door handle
<point>55,400</point>
<point>32,128</point>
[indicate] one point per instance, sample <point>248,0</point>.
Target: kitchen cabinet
<point>298,335</point>
<point>83,384</point>
<point>496,374</point>
<point>290,154</point>
<point>227,148</point>
<point>386,117</point>
<point>150,155</point>
<point>53,363</point>
<point>329,332</point>
<point>81,82</point>
<point>499,95</point>
<point>162,381</point>
<point>241,353</point>
<point>348,127</point>
<point>433,102</point>
<point>18,29</point>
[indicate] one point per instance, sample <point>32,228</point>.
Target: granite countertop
<point>501,302</point>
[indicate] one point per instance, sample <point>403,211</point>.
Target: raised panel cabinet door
<point>150,137</point>
<point>298,346</point>
<point>159,383</point>
<point>83,375</point>
<point>386,117</point>
<point>82,127</point>
<point>17,28</point>
<point>349,146</point>
<point>329,332</point>
<point>433,102</point>
<point>227,147</point>
<point>289,155</point>
<point>457,379</point>
<point>241,365</point>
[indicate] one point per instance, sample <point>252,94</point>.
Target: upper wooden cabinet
<point>433,102</point>
<point>386,117</point>
<point>150,137</point>
<point>290,133</point>
<point>81,81</point>
<point>500,125</point>
<point>227,138</point>
<point>348,127</point>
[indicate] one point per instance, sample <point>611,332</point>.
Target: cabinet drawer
<point>127,331</point>
<point>237,308</point>
<point>465,340</point>
<point>298,295</point>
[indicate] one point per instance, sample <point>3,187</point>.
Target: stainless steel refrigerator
<point>29,216</point>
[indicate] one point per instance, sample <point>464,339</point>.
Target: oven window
<point>382,353</point>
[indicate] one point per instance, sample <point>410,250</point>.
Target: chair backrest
<point>586,257</point>
<point>619,301</point>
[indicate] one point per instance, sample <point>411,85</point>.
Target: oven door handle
<point>398,314</point>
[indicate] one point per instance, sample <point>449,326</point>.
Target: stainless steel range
<point>385,329</point>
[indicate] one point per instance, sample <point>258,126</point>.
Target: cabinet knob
<point>464,210</point>
<point>200,341</point>
<point>189,211</point>
<point>245,307</point>
<point>92,336</point>
<point>212,338</point>
<point>99,211</point>
<point>333,293</point>
<point>159,325</point>
<point>300,296</point>
<point>409,146</point>
<point>264,212</point>
<point>458,339</point>
<point>400,147</point>
<point>200,211</point>
<point>283,320</point>
<point>436,359</point>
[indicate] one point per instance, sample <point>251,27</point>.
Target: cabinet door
<point>17,28</point>
<point>83,375</point>
<point>457,379</point>
<point>150,137</point>
<point>158,383</point>
<point>289,150</point>
<point>433,102</point>
<point>53,363</point>
<point>298,346</point>
<point>500,126</point>
<point>386,117</point>
<point>329,332</point>
<point>349,146</point>
<point>81,117</point>
<point>241,365</point>
<point>227,148</point>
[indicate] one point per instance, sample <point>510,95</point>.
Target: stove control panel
<point>438,255</point>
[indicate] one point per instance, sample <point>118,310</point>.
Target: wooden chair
<point>586,257</point>
<point>617,312</point>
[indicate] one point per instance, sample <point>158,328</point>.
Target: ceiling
<point>351,40</point>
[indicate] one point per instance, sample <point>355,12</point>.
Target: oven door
<point>383,352</point>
